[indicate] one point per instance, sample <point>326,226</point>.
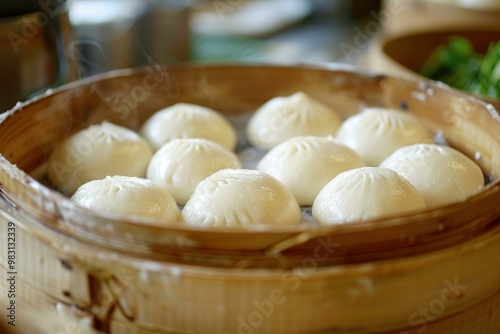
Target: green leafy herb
<point>459,65</point>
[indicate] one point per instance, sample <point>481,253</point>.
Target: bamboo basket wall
<point>436,270</point>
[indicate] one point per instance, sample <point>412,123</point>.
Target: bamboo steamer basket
<point>403,54</point>
<point>399,17</point>
<point>436,270</point>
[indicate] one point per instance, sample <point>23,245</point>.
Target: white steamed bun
<point>282,118</point>
<point>441,174</point>
<point>128,196</point>
<point>241,197</point>
<point>184,120</point>
<point>181,164</point>
<point>96,152</point>
<point>306,164</point>
<point>375,133</point>
<point>365,193</point>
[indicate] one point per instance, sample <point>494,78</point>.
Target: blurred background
<point>46,43</point>
<point>117,33</point>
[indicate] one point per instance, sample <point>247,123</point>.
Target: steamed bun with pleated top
<point>441,174</point>
<point>375,133</point>
<point>365,193</point>
<point>128,196</point>
<point>282,118</point>
<point>181,164</point>
<point>184,120</point>
<point>96,152</point>
<point>306,164</point>
<point>241,198</point>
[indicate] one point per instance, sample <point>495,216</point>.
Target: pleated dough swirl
<point>365,193</point>
<point>241,198</point>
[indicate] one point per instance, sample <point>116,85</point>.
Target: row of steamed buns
<point>184,155</point>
